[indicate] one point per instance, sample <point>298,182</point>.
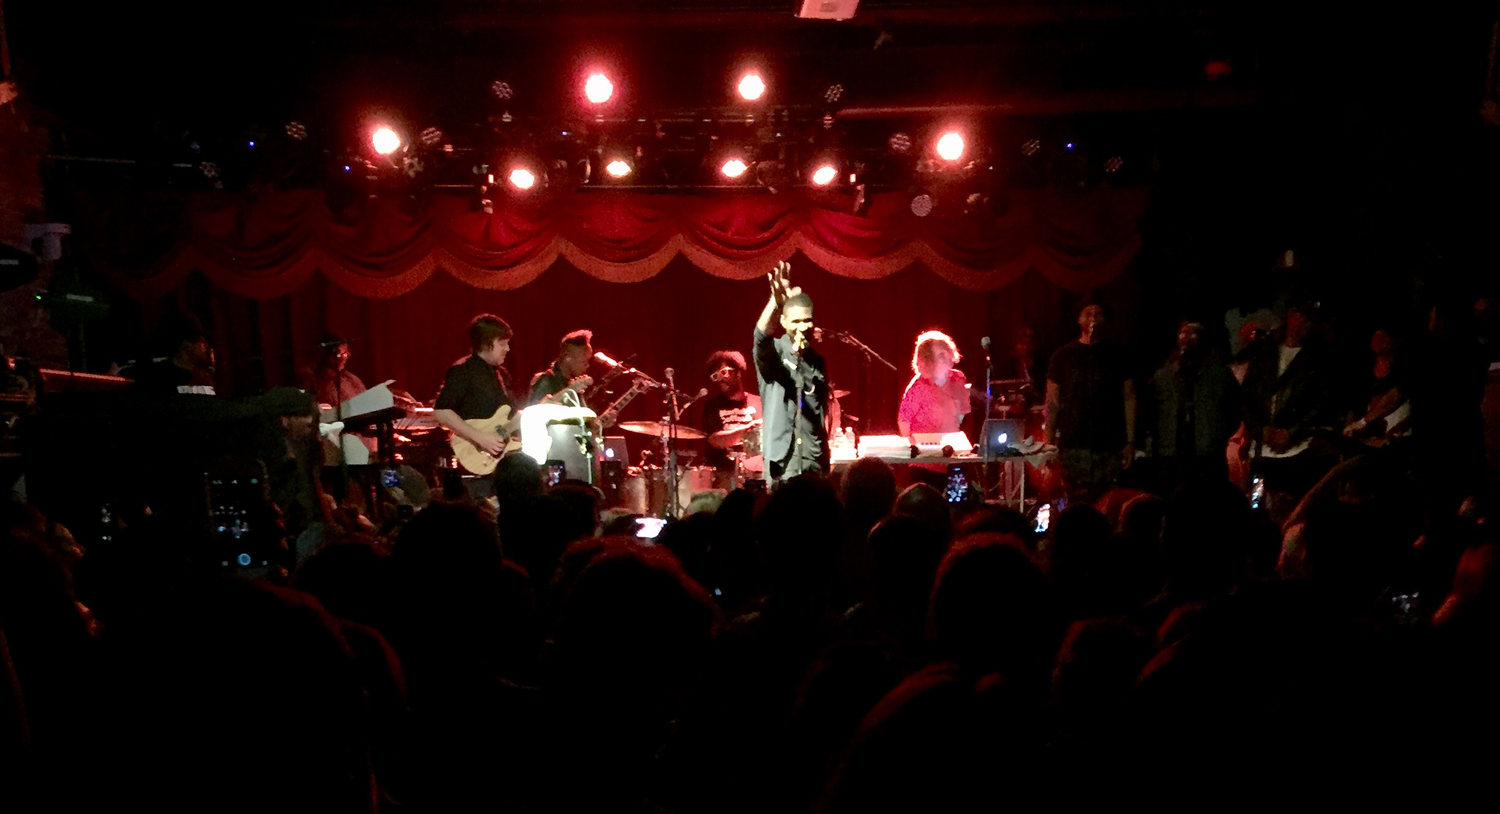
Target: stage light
<point>751,87</point>
<point>733,168</point>
<point>900,143</point>
<point>618,168</point>
<point>951,146</point>
<point>385,141</point>
<point>598,88</point>
<point>1069,145</point>
<point>1114,164</point>
<point>522,178</point>
<point>296,131</point>
<point>431,136</point>
<point>921,205</point>
<point>502,90</point>
<point>824,175</point>
<point>1031,147</point>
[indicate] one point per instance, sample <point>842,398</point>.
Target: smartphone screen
<point>554,472</point>
<point>646,528</point>
<point>241,526</point>
<point>1043,518</point>
<point>958,484</point>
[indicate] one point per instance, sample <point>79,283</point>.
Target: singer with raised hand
<point>793,382</point>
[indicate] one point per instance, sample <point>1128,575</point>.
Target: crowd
<point>817,649</point>
<point>834,646</point>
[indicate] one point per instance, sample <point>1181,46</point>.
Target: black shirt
<point>547,383</point>
<point>720,411</point>
<point>167,377</point>
<point>1090,383</point>
<point>473,389</point>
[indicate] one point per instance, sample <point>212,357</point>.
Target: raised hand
<point>780,278</point>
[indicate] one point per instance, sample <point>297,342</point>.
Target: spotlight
<point>617,168</point>
<point>1069,145</point>
<point>921,205</point>
<point>385,141</point>
<point>502,90</point>
<point>431,136</point>
<point>1114,164</point>
<point>598,88</point>
<point>1031,147</point>
<point>824,175</point>
<point>296,131</point>
<point>900,143</point>
<point>834,93</point>
<point>751,87</point>
<point>522,178</point>
<point>951,146</point>
<point>733,168</point>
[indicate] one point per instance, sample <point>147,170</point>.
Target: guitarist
<point>477,386</point>
<point>569,372</point>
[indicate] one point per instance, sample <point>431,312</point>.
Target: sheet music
<point>373,400</point>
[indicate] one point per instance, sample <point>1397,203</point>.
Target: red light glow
<point>598,88</point>
<point>951,146</point>
<point>751,87</point>
<point>733,168</point>
<point>824,175</point>
<point>522,178</point>
<point>385,141</point>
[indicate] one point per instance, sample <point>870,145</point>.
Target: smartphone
<point>1257,492</point>
<point>242,527</point>
<point>958,484</point>
<point>646,528</point>
<point>1043,519</point>
<point>553,473</point>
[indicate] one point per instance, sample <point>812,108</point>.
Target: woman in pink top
<point>937,399</point>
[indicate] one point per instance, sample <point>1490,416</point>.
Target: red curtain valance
<point>267,246</point>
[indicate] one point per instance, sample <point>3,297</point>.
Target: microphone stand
<point>672,501</point>
<point>866,356</point>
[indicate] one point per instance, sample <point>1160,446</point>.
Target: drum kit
<point>647,488</point>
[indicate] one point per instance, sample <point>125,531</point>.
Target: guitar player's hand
<point>490,443</point>
<point>581,383</point>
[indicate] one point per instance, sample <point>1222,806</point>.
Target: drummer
<point>728,406</point>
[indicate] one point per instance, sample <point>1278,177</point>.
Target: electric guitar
<point>505,423</point>
<point>611,413</point>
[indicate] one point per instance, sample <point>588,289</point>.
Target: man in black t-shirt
<point>567,373</point>
<point>1090,410</point>
<point>730,406</point>
<point>190,368</point>
<point>476,386</point>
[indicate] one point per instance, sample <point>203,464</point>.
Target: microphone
<point>603,358</point>
<point>701,393</point>
<point>984,342</point>
<point>670,384</point>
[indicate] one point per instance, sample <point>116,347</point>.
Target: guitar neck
<point>611,413</point>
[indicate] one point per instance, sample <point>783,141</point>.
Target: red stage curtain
<point>270,245</point>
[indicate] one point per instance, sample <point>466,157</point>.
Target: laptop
<point>615,449</point>
<point>1001,435</point>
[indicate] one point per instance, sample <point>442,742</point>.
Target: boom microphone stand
<point>866,356</point>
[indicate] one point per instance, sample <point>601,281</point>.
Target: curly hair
<point>926,351</point>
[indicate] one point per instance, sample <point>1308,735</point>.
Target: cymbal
<point>838,394</point>
<point>659,429</point>
<point>724,439</point>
